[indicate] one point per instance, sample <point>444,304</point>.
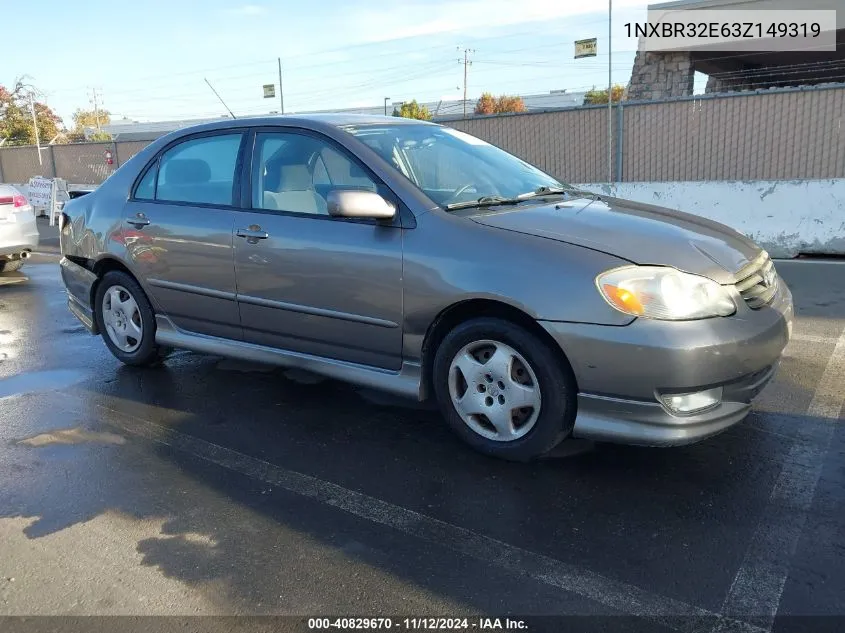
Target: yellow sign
<point>586,48</point>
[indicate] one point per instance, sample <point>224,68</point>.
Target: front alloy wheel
<point>504,389</point>
<point>494,390</point>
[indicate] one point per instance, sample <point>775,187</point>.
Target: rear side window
<point>200,171</point>
<point>146,189</point>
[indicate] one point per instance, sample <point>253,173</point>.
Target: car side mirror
<point>359,204</point>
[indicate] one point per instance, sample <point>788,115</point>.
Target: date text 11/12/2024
<point>418,624</point>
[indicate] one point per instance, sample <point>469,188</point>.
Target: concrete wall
<point>784,217</point>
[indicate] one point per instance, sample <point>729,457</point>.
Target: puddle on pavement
<point>243,366</point>
<point>296,375</point>
<point>73,436</point>
<point>386,399</point>
<point>79,329</point>
<point>303,377</point>
<point>37,381</point>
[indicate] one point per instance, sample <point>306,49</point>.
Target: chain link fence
<point>769,135</point>
<point>791,134</point>
<point>19,164</point>
<point>83,162</point>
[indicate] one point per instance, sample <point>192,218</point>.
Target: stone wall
<point>661,76</point>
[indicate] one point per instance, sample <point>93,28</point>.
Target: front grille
<point>757,282</point>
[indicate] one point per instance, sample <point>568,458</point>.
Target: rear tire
<point>126,320</point>
<point>503,390</point>
<point>10,265</point>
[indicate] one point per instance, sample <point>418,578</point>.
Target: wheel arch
<point>462,311</point>
<point>107,264</point>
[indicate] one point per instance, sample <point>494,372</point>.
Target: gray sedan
<point>417,259</point>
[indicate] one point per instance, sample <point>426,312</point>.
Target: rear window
<point>199,171</point>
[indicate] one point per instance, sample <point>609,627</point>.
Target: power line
<point>403,69</point>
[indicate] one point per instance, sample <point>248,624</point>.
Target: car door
<point>309,282</point>
<point>178,232</point>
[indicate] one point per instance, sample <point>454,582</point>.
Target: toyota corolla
<point>418,259</point>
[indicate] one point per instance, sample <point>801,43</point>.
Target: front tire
<point>126,320</point>
<point>503,390</point>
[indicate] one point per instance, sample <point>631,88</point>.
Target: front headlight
<point>657,292</point>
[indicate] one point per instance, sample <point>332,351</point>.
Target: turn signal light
<point>623,299</point>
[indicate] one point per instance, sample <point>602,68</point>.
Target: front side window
<point>200,171</point>
<point>296,172</point>
<point>451,166</point>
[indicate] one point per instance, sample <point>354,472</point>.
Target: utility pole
<point>609,91</point>
<point>466,62</point>
<point>35,127</point>
<point>96,108</point>
<point>386,99</point>
<point>281,92</point>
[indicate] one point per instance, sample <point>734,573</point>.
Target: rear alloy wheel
<point>502,390</point>
<point>126,320</point>
<point>122,319</point>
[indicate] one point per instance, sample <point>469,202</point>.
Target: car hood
<point>641,233</point>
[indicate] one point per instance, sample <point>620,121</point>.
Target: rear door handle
<point>139,221</point>
<point>252,234</point>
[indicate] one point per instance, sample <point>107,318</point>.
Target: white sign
<point>269,90</point>
<point>586,48</point>
<point>40,192</point>
<point>58,199</point>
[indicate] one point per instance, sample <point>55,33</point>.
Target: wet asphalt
<point>210,486</point>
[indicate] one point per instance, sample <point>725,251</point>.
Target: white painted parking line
<point>811,338</point>
<point>830,394</point>
<point>758,585</point>
<point>621,597</point>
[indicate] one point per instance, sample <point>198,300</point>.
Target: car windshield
<point>453,168</point>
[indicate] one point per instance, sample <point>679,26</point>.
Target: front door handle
<point>252,234</point>
<point>139,221</point>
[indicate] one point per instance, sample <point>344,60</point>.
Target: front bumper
<point>79,281</point>
<point>619,371</point>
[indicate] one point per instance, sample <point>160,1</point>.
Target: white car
<point>18,230</point>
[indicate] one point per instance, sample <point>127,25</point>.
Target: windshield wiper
<point>548,191</point>
<point>484,201</point>
<point>489,201</point>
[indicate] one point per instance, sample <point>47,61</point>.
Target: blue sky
<point>148,59</point>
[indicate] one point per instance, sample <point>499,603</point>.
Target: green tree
<point>16,117</point>
<point>504,104</point>
<point>91,120</point>
<point>595,97</point>
<point>413,110</point>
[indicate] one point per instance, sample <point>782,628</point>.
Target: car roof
<point>315,121</point>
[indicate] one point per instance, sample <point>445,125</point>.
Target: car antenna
<point>219,97</point>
